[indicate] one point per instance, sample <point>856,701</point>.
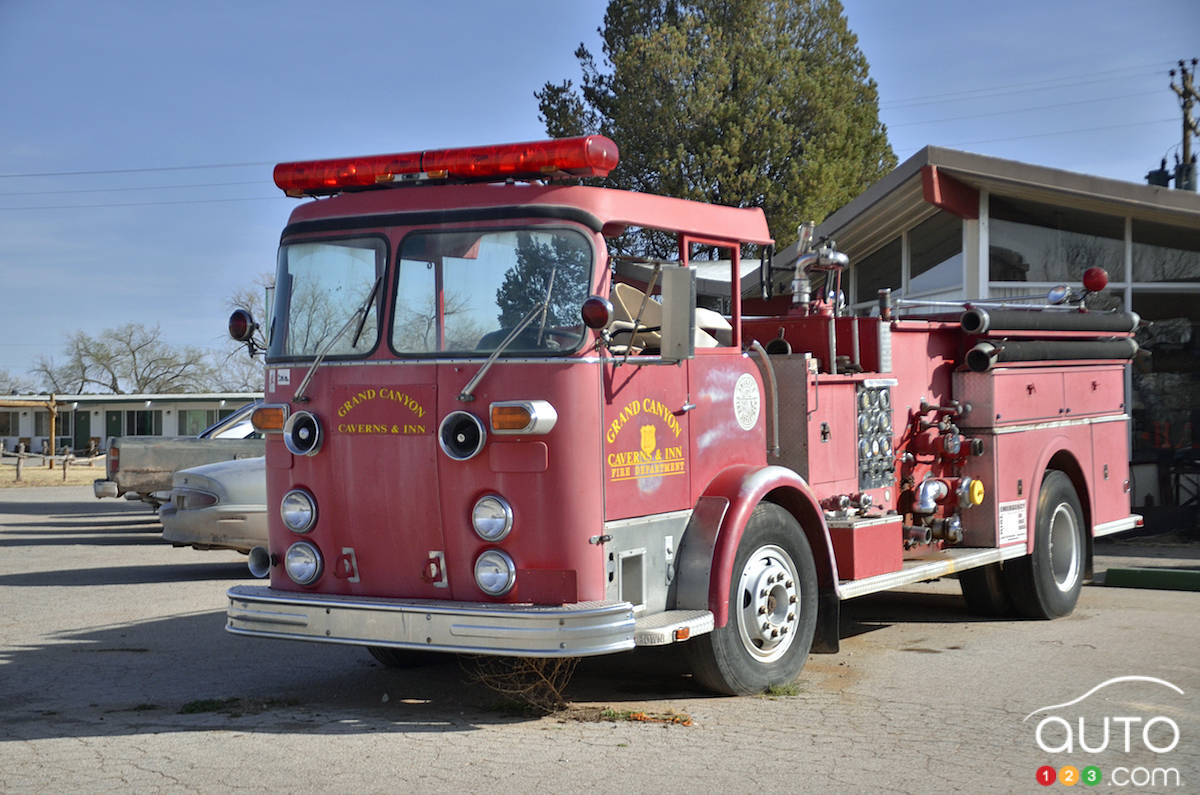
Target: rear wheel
<point>772,610</point>
<point>1046,584</point>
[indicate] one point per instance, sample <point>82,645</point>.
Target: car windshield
<point>465,292</point>
<point>236,426</point>
<point>320,288</point>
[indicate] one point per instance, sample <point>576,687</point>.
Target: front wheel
<point>772,610</point>
<point>1046,584</point>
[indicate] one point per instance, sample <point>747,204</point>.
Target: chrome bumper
<point>575,630</point>
<point>104,488</point>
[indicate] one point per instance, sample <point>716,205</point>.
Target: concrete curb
<point>1158,578</point>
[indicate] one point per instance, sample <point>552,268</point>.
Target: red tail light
<point>114,460</point>
<point>585,156</point>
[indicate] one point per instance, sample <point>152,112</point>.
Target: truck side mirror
<point>679,313</point>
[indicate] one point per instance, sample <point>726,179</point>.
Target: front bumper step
<point>519,630</point>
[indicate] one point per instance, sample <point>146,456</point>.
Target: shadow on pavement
<point>186,674</point>
<point>128,575</point>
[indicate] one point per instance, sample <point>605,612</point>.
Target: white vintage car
<point>218,506</point>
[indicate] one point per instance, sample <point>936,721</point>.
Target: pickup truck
<point>140,467</point>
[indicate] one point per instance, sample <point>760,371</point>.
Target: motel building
<point>85,422</point>
<point>947,224</point>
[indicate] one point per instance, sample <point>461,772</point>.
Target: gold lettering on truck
<point>376,397</point>
<point>645,457</point>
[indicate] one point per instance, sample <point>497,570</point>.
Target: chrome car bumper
<point>237,527</point>
<point>574,630</point>
<point>104,488</point>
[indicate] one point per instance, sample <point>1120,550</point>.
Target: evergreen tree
<point>765,103</point>
<point>550,267</point>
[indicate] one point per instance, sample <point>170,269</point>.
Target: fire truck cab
<point>490,433</point>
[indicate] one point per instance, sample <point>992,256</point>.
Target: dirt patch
<point>593,714</point>
<point>36,473</point>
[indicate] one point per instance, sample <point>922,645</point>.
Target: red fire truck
<point>489,433</point>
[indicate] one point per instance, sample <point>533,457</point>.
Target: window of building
<point>192,421</point>
<point>10,423</point>
<point>1164,253</point>
<point>62,424</point>
<point>935,254</point>
<point>1166,372</point>
<point>143,423</point>
<point>1033,242</point>
<point>877,271</point>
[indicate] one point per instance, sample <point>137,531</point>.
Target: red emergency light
<point>584,156</point>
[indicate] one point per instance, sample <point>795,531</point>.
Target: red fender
<point>1055,447</point>
<point>740,488</point>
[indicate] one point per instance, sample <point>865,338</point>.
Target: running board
<point>671,626</point>
<point>951,561</point>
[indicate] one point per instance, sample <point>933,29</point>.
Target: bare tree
<point>14,385</point>
<point>234,369</point>
<point>129,359</point>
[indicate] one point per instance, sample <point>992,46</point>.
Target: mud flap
<point>827,637</point>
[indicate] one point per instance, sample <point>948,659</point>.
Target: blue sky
<point>188,106</point>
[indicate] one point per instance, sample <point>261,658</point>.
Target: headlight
<point>495,572</point>
<point>298,510</point>
<point>492,517</point>
<point>302,563</point>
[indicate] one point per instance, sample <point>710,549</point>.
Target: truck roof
<point>604,210</point>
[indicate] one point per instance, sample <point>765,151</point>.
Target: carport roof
<point>897,201</point>
<point>176,397</point>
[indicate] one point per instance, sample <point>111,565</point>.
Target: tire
<point>403,658</point>
<point>1046,584</point>
<point>772,610</point>
<point>985,591</point>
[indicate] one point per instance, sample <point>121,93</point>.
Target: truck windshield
<point>319,287</point>
<point>464,291</point>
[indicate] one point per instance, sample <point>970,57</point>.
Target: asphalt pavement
<point>116,674</point>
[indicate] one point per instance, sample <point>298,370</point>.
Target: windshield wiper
<point>360,315</point>
<point>542,307</point>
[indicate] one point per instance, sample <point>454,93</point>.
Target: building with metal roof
<point>946,225</point>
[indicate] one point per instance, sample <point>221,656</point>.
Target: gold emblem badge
<point>648,441</point>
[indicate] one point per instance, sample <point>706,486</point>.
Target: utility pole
<point>1187,98</point>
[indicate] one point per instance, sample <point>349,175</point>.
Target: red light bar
<point>585,156</point>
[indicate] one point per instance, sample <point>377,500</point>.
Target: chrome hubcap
<point>769,603</point>
<point>1065,555</point>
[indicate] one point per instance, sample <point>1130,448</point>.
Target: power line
<point>1046,83</point>
<point>1051,134</point>
<point>116,190</point>
<point>1023,110</point>
<point>140,204</point>
<point>133,170</point>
